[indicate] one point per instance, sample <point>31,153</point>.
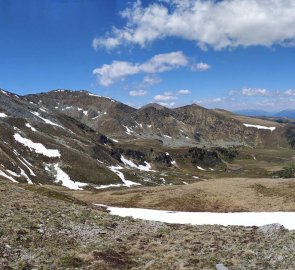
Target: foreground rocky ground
<point>43,229</point>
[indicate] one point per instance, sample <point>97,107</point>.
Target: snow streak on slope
<point>29,126</point>
<point>260,127</point>
<point>61,176</point>
<point>127,183</point>
<point>36,147</point>
<point>130,163</point>
<point>46,120</point>
<point>3,174</point>
<point>287,219</point>
<point>3,115</point>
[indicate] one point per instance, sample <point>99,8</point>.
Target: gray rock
<point>150,263</point>
<point>271,228</point>
<point>220,266</point>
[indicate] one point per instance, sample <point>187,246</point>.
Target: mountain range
<point>285,113</point>
<point>81,140</point>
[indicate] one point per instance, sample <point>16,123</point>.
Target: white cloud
<point>290,92</point>
<point>167,104</point>
<point>151,80</point>
<point>107,74</point>
<point>165,97</point>
<point>217,24</point>
<point>183,92</point>
<point>138,93</point>
<point>250,92</point>
<point>254,92</point>
<point>201,66</point>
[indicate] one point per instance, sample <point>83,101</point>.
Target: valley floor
<point>215,195</point>
<point>43,228</point>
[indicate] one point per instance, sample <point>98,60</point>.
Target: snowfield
<point>260,127</point>
<point>36,147</point>
<point>287,219</point>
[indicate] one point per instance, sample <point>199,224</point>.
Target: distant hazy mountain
<point>284,113</point>
<point>254,113</point>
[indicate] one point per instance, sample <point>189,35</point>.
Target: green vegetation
<point>286,172</point>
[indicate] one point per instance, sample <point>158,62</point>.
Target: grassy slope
<point>41,229</point>
<point>215,195</point>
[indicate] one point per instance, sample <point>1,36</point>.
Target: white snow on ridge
<point>32,128</point>
<point>36,147</point>
<point>3,174</point>
<point>287,219</point>
<point>128,130</point>
<point>3,115</point>
<point>127,183</point>
<point>61,176</point>
<point>24,163</point>
<point>200,168</point>
<point>109,186</point>
<point>260,127</point>
<point>22,173</point>
<point>46,120</point>
<point>130,163</point>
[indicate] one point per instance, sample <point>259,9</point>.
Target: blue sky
<point>175,52</point>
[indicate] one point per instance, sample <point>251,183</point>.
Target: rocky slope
<point>184,126</point>
<point>42,229</point>
<point>81,140</point>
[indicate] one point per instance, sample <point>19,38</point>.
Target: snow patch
<point>147,167</point>
<point>46,120</point>
<point>127,183</point>
<point>200,168</point>
<point>128,130</point>
<point>32,128</point>
<point>36,147</point>
<point>29,169</point>
<point>3,174</point>
<point>287,219</point>
<point>3,115</point>
<point>63,178</point>
<point>260,127</point>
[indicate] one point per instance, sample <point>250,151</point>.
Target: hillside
<point>43,229</point>
<point>84,141</point>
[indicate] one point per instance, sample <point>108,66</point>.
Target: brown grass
<point>217,195</point>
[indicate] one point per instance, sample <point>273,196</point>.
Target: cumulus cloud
<point>138,93</point>
<point>250,92</point>
<point>167,104</point>
<point>165,97</point>
<point>151,80</point>
<point>201,66</point>
<point>254,92</point>
<point>108,74</point>
<point>290,92</point>
<point>183,92</point>
<point>216,24</point>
